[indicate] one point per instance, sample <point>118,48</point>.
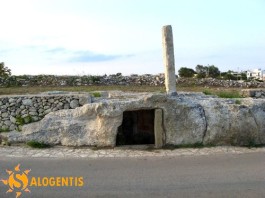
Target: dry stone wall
<point>16,111</point>
<point>119,79</point>
<point>211,82</point>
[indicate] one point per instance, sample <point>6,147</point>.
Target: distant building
<point>256,74</point>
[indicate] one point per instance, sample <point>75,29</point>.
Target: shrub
<point>96,94</point>
<point>35,144</point>
<point>186,72</point>
<point>238,102</point>
<point>4,71</point>
<point>25,120</point>
<point>207,92</point>
<point>28,119</point>
<point>224,94</point>
<point>95,79</point>
<point>3,130</point>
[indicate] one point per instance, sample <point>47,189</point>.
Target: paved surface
<point>204,174</point>
<point>66,152</point>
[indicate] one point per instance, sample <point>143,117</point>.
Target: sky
<point>97,37</point>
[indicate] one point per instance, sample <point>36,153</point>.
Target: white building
<point>256,74</point>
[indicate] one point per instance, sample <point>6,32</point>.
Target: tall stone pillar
<point>169,60</point>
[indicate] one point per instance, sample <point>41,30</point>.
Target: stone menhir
<point>169,61</point>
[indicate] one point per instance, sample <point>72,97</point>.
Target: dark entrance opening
<point>137,128</point>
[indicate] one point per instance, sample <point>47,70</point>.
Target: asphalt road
<point>197,176</point>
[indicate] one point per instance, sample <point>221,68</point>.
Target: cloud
<point>56,50</point>
<point>87,56</point>
<point>56,55</point>
<point>2,51</point>
<point>78,56</point>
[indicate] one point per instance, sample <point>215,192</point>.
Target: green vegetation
<point>231,75</point>
<point>4,71</point>
<point>213,72</point>
<point>28,119</point>
<point>207,92</point>
<point>196,145</point>
<point>201,71</point>
<point>25,120</point>
<point>20,120</point>
<point>4,130</point>
<point>225,94</point>
<point>186,72</point>
<point>96,94</point>
<point>95,79</point>
<point>35,144</point>
<point>207,71</point>
<point>140,88</point>
<point>39,89</point>
<point>238,102</point>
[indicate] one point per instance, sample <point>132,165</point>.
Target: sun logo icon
<point>17,181</point>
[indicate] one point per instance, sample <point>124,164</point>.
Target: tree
<point>201,71</point>
<point>213,71</point>
<point>207,71</point>
<point>243,75</point>
<point>4,71</point>
<point>186,72</point>
<point>228,75</point>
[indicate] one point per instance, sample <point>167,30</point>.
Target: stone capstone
<point>186,120</point>
<point>229,124</point>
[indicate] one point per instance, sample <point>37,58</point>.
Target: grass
<point>196,145</point>
<point>140,88</point>
<point>96,94</point>
<point>35,90</point>
<point>228,93</point>
<point>26,120</point>
<point>4,130</point>
<point>35,144</point>
<point>207,92</point>
<point>238,102</point>
<point>20,120</point>
<point>225,94</point>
